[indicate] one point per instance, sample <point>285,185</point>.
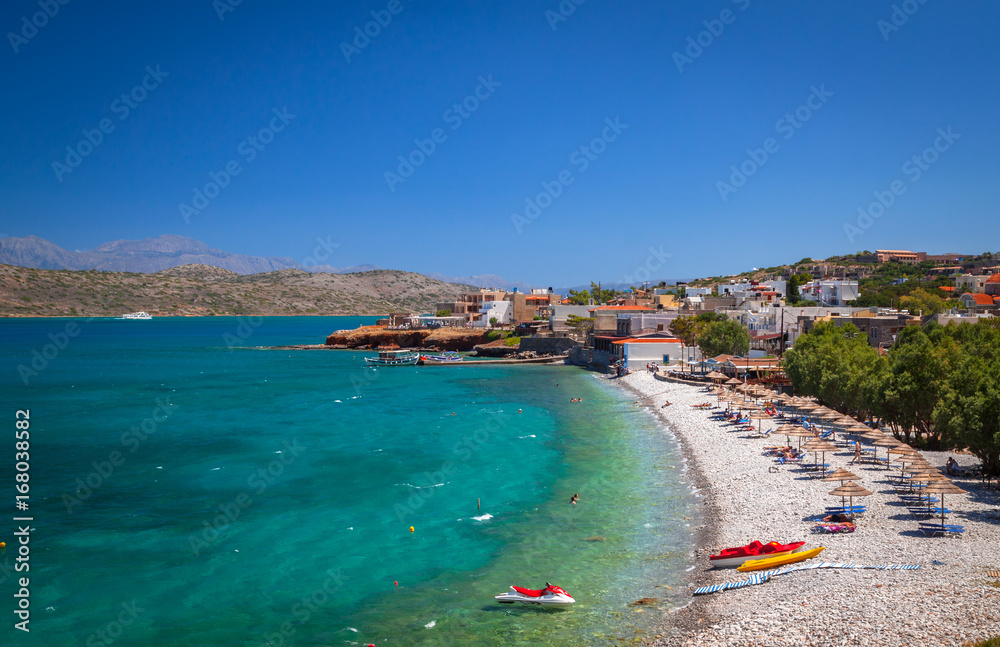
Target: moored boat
<point>730,557</point>
<point>445,357</point>
<point>780,560</point>
<point>393,357</point>
<point>137,315</point>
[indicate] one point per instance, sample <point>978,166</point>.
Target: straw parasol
<point>798,432</point>
<point>841,474</point>
<point>733,381</point>
<point>850,490</point>
<point>943,487</point>
<point>759,416</point>
<point>716,376</point>
<point>819,446</point>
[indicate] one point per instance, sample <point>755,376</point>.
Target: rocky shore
<point>950,600</point>
<point>444,338</point>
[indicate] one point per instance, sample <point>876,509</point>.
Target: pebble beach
<point>950,600</point>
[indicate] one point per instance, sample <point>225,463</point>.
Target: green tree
<point>493,322</point>
<point>580,298</point>
<point>724,337</point>
<point>922,302</point>
<point>443,313</point>
<point>581,325</point>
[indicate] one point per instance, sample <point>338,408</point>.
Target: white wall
<point>638,355</point>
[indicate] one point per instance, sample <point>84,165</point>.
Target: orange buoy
<point>411,528</point>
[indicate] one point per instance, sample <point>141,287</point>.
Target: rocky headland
<point>370,337</point>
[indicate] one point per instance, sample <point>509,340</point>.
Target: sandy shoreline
<point>951,603</point>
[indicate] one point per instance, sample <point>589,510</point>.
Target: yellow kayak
<point>780,560</point>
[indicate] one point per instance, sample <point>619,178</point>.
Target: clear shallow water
<point>263,497</point>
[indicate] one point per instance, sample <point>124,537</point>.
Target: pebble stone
<point>953,603</point>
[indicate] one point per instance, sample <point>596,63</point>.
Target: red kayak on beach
<point>731,557</point>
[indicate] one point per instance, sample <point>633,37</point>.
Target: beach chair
<point>928,512</point>
<point>937,530</point>
<point>857,510</point>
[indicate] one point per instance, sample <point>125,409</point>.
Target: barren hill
<point>207,290</point>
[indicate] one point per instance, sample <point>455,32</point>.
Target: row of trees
<point>938,386</point>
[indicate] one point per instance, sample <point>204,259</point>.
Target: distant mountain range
<point>146,256</point>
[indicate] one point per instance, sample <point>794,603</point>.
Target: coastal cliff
<point>440,338</point>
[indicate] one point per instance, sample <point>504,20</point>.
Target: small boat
<point>781,560</point>
<point>550,596</point>
<point>393,357</point>
<point>137,315</point>
<point>447,356</point>
<point>730,557</point>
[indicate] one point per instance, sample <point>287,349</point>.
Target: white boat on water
<point>137,315</point>
<point>393,357</point>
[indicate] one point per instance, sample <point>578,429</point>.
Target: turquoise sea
<point>190,488</point>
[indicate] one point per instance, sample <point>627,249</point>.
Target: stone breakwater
<point>440,338</point>
<point>951,602</point>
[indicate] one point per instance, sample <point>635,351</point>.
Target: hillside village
<point>880,293</point>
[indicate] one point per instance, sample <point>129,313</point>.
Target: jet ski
<point>550,596</point>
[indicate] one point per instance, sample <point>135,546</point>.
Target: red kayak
<point>731,557</point>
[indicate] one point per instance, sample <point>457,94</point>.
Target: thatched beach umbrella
<point>850,490</point>
<point>733,381</point>
<point>887,442</point>
<point>759,416</point>
<point>943,488</point>
<point>716,376</point>
<point>841,474</point>
<point>798,432</point>
<point>817,446</point>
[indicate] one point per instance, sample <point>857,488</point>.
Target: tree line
<point>938,387</point>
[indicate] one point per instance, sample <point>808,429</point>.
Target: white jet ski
<point>550,596</point>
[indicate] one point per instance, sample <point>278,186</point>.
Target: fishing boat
<point>393,357</point>
<point>730,557</point>
<point>550,596</point>
<point>137,315</point>
<point>447,356</point>
<point>781,560</point>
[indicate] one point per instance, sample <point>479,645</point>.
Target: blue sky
<point>654,197</point>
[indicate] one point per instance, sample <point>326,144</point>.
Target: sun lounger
<point>937,530</point>
<point>929,512</point>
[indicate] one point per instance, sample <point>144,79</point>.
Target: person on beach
<point>951,467</point>
<point>665,404</point>
<point>857,453</point>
